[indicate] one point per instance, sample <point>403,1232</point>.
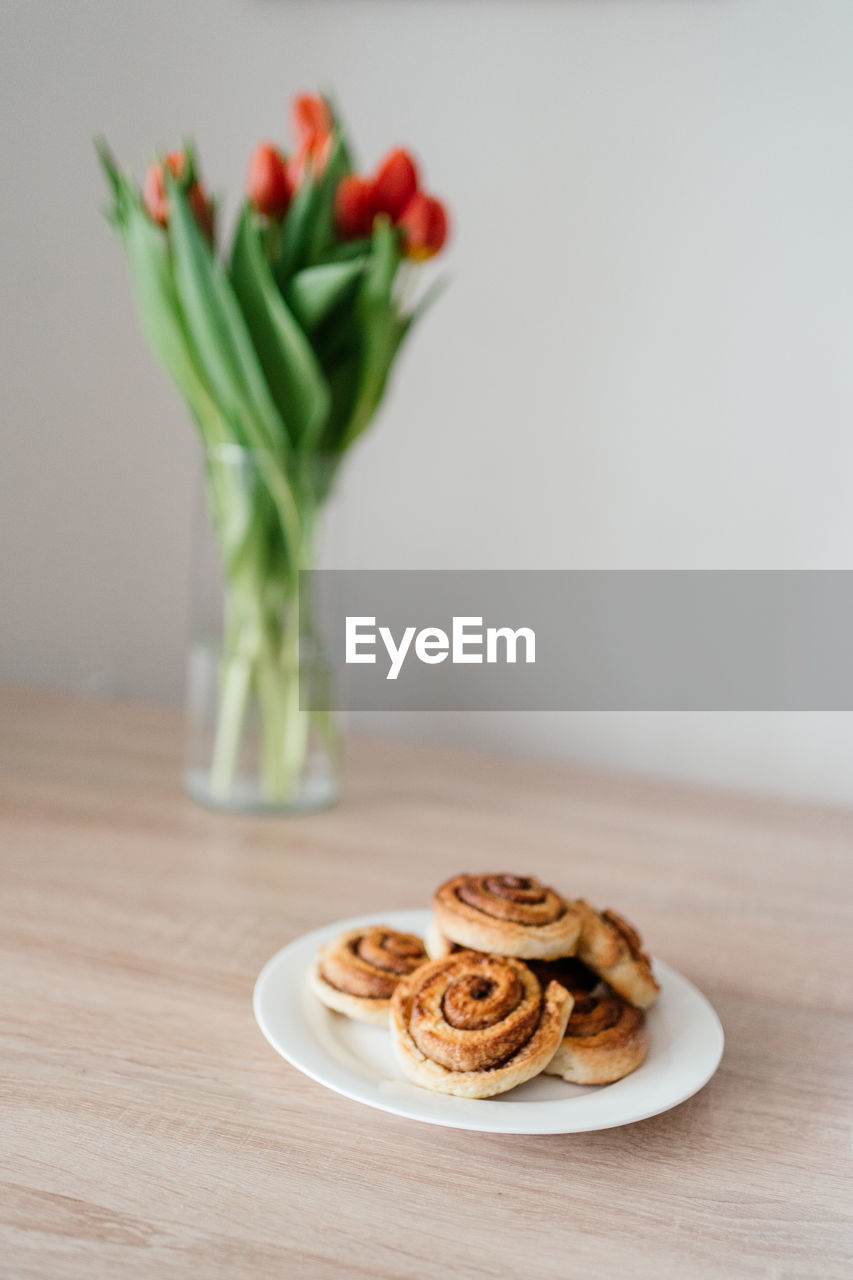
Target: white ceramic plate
<point>357,1060</point>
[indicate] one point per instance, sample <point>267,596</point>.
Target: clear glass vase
<point>251,747</point>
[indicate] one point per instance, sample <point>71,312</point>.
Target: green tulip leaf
<point>116,182</point>
<point>296,233</point>
<point>162,320</point>
<point>228,357</point>
<point>379,326</point>
<point>315,292</point>
<point>323,235</point>
<point>219,333</point>
<point>347,250</point>
<point>343,376</point>
<point>292,372</point>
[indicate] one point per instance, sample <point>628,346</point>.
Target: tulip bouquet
<point>282,350</point>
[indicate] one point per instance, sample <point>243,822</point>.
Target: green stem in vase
<point>264,633</point>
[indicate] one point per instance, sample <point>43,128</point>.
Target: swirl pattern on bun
<point>476,1025</point>
<point>358,973</point>
<point>507,914</point>
<point>605,1039</point>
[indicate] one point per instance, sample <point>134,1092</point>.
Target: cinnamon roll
<point>476,1025</point>
<point>606,1039</point>
<point>613,949</point>
<point>508,915</point>
<point>358,972</point>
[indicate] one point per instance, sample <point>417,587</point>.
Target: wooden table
<point>147,1129</point>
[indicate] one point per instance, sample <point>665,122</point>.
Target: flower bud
<point>310,117</point>
<point>312,126</point>
<point>355,206</point>
<point>396,183</point>
<point>267,183</point>
<point>154,188</point>
<point>424,226</point>
<point>154,193</point>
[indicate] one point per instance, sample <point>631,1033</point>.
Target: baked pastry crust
<point>357,973</point>
<point>476,1025</point>
<point>436,944</point>
<point>606,1039</point>
<point>613,949</point>
<point>507,915</point>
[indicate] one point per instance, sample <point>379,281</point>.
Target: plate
<point>357,1059</point>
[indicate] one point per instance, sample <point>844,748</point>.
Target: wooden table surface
<point>148,1130</point>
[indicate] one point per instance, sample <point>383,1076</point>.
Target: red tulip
<point>153,186</point>
<point>424,226</point>
<point>267,182</point>
<point>355,206</point>
<point>396,183</point>
<point>310,117</point>
<point>154,193</point>
<point>312,125</point>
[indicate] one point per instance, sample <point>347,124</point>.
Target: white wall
<point>644,360</point>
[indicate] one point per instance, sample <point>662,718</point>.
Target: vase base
<point>245,796</point>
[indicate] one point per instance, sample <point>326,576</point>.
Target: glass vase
<point>251,747</point>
